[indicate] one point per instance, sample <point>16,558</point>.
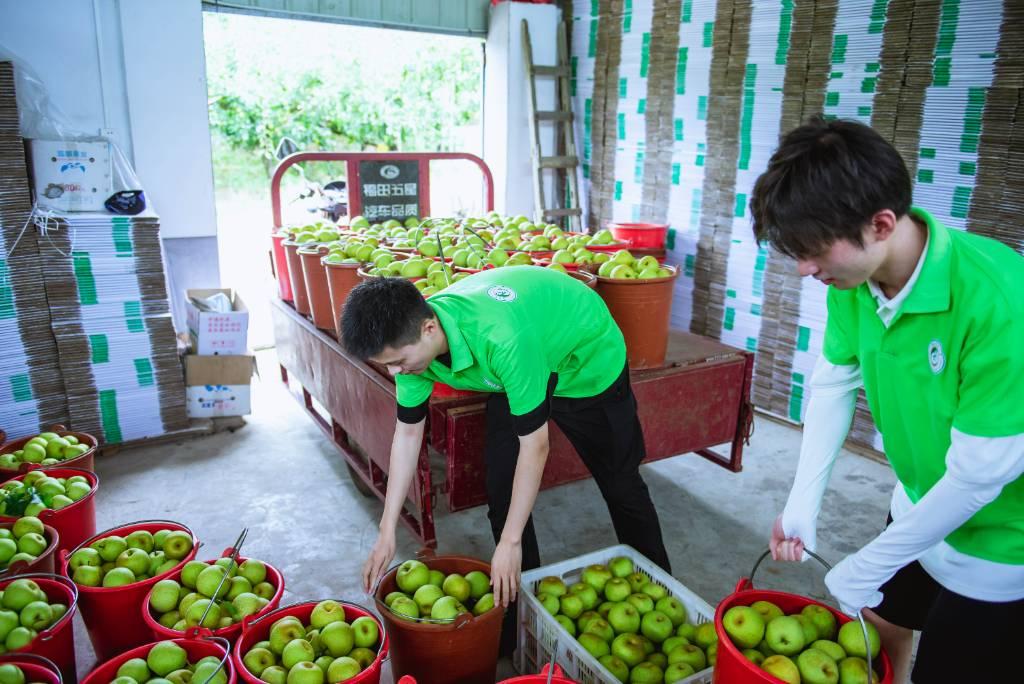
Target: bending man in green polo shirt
<point>930,322</point>
<point>545,346</point>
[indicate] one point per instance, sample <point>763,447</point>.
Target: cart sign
<point>389,189</point>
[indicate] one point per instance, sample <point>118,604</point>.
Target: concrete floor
<point>278,477</point>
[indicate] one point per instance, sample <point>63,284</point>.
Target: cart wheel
<point>363,488</point>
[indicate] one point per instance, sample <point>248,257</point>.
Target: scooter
<point>329,200</point>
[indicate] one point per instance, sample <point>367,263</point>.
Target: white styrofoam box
<point>215,333</point>
<point>71,176</point>
<point>540,635</point>
<point>218,386</point>
<point>218,401</point>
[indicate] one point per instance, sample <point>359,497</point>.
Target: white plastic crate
<point>540,635</point>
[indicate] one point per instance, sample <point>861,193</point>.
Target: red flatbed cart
<point>698,399</point>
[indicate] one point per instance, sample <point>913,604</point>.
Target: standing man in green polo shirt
<point>930,322</point>
<point>545,346</point>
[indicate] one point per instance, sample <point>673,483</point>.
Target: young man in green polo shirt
<point>545,346</point>
<point>930,322</point>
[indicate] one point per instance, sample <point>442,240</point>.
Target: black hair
<point>824,183</point>
<point>382,312</point>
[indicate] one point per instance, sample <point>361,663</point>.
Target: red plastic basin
<point>648,235</point>
<point>258,629</point>
<point>111,614</point>
<point>231,633</point>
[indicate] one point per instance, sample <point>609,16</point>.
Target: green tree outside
<point>331,87</point>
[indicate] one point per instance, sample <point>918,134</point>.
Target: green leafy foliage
<point>364,93</point>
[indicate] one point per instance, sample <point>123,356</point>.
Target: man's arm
<point>507,560</point>
<point>977,469</point>
<point>826,424</point>
<point>405,453</point>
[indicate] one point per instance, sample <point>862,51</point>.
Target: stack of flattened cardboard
<point>31,386</point>
<point>111,318</point>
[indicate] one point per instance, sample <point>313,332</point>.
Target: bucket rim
<point>47,514</point>
<point>225,645</point>
<point>18,658</point>
<point>638,225</point>
<point>49,533</point>
<point>62,431</point>
<point>65,556</point>
<point>337,264</point>
<point>247,630</point>
<point>69,614</point>
<point>431,624</point>
<point>641,281</point>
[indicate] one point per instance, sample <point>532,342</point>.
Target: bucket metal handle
<point>232,555</point>
<point>477,235</point>
<point>220,641</point>
<point>34,658</point>
<point>748,583</point>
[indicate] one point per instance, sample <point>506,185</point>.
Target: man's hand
<point>782,547</point>
<point>505,567</point>
<point>380,557</point>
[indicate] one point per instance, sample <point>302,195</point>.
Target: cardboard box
<point>218,386</point>
<point>215,333</point>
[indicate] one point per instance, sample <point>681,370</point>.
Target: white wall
<point>506,121</point>
<point>165,66</point>
<point>135,70</point>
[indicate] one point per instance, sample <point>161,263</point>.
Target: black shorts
<point>962,639</point>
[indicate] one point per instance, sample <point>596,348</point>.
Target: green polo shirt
<point>952,357</point>
<point>510,328</point>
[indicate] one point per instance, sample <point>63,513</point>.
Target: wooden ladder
<point>568,161</point>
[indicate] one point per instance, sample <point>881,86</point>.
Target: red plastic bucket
<point>57,642</point>
<point>317,291</point>
<point>111,614</point>
<point>75,522</point>
<point>642,309</point>
<point>732,667</point>
<point>84,461</point>
<point>443,391</point>
<point>44,563</point>
<point>463,651</point>
<point>341,279</point>
<point>196,648</point>
<point>280,263</point>
<point>648,235</point>
<point>231,633</point>
<point>295,277</point>
<point>35,667</point>
<point>255,630</point>
<point>557,677</point>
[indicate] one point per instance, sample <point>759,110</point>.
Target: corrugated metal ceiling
<point>459,17</point>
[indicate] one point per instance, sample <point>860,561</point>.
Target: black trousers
<point>914,600</point>
<point>605,431</point>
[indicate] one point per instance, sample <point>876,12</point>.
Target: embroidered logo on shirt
<point>936,359</point>
<point>502,293</point>
<point>491,383</point>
